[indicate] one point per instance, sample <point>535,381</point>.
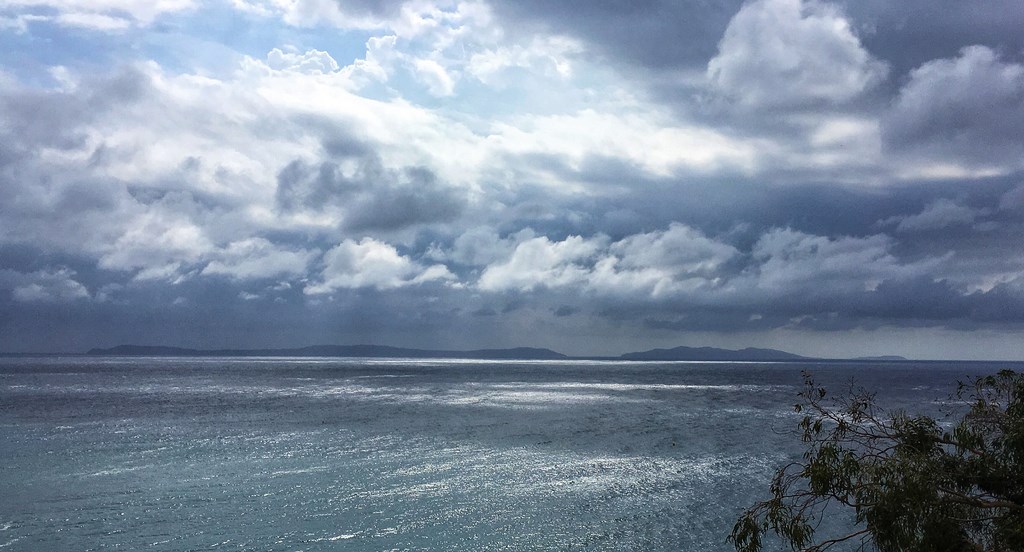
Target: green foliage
<point>909,485</point>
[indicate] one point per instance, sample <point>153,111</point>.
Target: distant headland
<point>516,353</point>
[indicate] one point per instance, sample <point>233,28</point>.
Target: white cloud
<point>481,246</point>
<point>655,264</point>
<point>371,263</point>
<point>255,258</point>
<point>19,23</point>
<point>104,15</point>
<point>680,248</point>
<point>434,77</point>
<point>791,53</point>
<point>541,262</point>
<point>96,21</point>
<point>148,170</point>
<point>550,56</point>
<point>311,61</point>
<point>408,18</point>
<point>377,64</point>
<point>647,138</point>
<point>47,286</point>
<point>681,262</point>
<point>789,260</point>
<point>338,13</point>
<point>158,240</point>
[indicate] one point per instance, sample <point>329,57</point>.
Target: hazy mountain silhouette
<point>516,353</point>
<point>711,353</point>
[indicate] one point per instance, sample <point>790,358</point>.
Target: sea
<point>130,453</point>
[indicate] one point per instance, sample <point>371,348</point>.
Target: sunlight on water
<point>356,454</point>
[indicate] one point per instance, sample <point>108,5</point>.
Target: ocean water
<point>371,454</point>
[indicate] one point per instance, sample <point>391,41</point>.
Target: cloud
<point>103,15</point>
<point>655,264</point>
<point>643,137</point>
<point>257,258</point>
<point>966,110</point>
<point>785,271</point>
<point>551,56</point>
<point>603,171</point>
<point>95,21</point>
<point>346,14</point>
<point>653,34</point>
<point>940,213</point>
<point>144,170</point>
<point>311,61</point>
<point>541,262</point>
<point>371,263</point>
<point>159,240</point>
<point>791,54</point>
<point>680,248</point>
<point>47,285</point>
<point>435,77</point>
<point>1013,200</point>
<point>477,246</point>
<point>679,279</point>
<point>361,194</point>
<point>912,32</point>
<point>422,41</point>
<point>793,262</point>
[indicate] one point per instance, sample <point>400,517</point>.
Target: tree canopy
<point>910,483</point>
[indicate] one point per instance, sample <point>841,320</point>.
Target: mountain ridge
<point>682,353</point>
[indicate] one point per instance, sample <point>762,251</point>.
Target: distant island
<point>516,353</point>
<point>711,353</point>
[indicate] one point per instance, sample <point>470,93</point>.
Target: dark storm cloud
<point>742,206</point>
<point>628,201</point>
<point>969,106</point>
<point>212,313</point>
<point>918,302</point>
<point>67,215</point>
<point>767,60</point>
<point>416,197</point>
<point>204,312</point>
<point>842,275</point>
<point>910,33</point>
<point>302,186</point>
<point>372,197</point>
<point>671,35</point>
<point>565,310</point>
<point>149,206</point>
<point>660,34</point>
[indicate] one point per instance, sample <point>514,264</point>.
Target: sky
<point>831,178</point>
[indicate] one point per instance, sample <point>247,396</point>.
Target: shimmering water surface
<point>365,454</point>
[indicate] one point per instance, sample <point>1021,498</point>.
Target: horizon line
<point>285,350</point>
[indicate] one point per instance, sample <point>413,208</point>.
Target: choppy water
<point>358,454</point>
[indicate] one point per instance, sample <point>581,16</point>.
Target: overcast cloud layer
<point>829,178</point>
